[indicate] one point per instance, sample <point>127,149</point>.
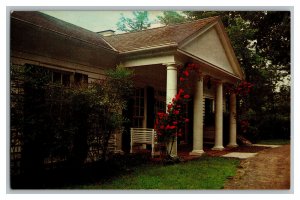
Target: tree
<point>273,35</point>
<point>171,17</point>
<point>140,21</point>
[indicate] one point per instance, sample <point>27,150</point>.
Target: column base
<point>218,148</point>
<point>172,155</point>
<point>196,153</point>
<point>232,145</point>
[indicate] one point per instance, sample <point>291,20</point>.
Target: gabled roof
<point>56,25</point>
<point>162,36</point>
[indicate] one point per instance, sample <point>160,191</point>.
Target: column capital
<point>170,64</point>
<point>201,74</point>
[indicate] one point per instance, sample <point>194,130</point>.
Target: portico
<point>156,63</point>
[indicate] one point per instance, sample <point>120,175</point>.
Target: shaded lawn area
<point>204,173</point>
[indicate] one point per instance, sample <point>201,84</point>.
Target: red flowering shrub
<point>169,125</point>
<point>242,88</point>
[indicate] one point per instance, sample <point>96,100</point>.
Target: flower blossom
<point>176,112</point>
<point>186,96</point>
<point>186,73</point>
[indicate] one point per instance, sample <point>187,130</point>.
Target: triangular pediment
<point>209,46</point>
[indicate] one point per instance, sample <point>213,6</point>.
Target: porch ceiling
<point>150,75</point>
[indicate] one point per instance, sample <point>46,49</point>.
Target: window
<point>209,106</point>
<point>138,108</point>
<point>209,112</point>
<point>64,78</point>
<point>80,79</point>
<point>160,101</point>
<point>61,77</point>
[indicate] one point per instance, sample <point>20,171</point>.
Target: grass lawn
<point>274,142</point>
<point>204,173</point>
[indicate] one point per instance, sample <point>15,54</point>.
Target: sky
<point>97,20</point>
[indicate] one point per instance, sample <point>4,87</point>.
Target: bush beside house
<point>55,125</point>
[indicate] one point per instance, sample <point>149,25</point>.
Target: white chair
<point>142,136</point>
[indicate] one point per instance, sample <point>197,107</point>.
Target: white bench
<point>142,136</point>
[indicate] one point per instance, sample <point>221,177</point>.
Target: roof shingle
<point>53,24</point>
<point>172,34</point>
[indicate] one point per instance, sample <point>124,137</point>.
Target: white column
<point>198,118</point>
<point>171,82</point>
<point>219,117</point>
<point>232,121</point>
<point>170,94</point>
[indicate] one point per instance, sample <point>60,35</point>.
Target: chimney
<point>106,32</point>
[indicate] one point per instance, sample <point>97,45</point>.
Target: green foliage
<point>273,35</point>
<point>108,99</point>
<point>140,21</point>
<point>61,123</point>
<point>211,173</point>
<point>171,17</point>
<point>34,132</point>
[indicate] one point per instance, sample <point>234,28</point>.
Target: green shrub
<point>61,123</point>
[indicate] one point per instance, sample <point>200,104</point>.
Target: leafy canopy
<point>140,21</point>
<point>171,17</point>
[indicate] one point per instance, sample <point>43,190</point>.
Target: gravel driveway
<point>268,170</point>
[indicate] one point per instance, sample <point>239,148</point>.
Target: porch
<point>206,110</point>
<point>155,56</point>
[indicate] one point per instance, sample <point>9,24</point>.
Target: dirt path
<point>270,169</point>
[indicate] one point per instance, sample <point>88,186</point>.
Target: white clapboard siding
<point>142,136</point>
